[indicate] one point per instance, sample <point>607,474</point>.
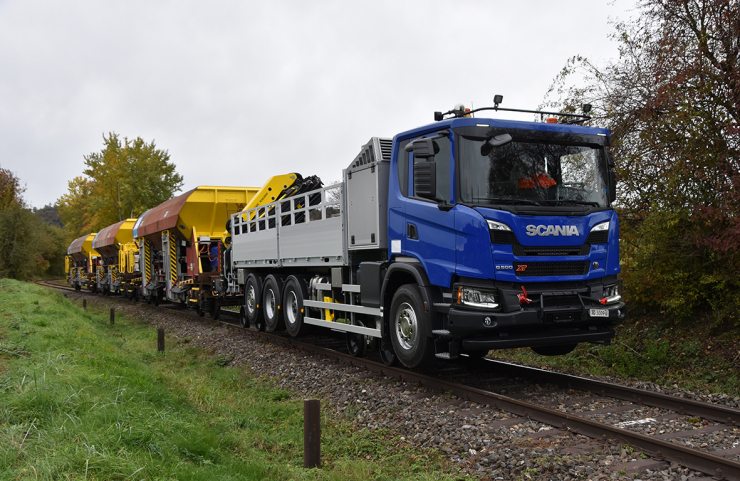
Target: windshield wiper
<point>570,202</point>
<point>499,200</point>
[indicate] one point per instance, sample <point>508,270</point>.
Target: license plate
<point>598,312</point>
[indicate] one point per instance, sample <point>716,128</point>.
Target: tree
<point>672,103</point>
<point>28,246</point>
<point>11,190</point>
<point>123,180</point>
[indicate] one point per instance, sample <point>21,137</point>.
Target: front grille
<point>598,237</point>
<point>520,250</point>
<point>539,269</point>
<point>503,237</point>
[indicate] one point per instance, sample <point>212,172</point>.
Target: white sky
<point>238,91</point>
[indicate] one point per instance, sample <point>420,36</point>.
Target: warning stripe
<point>147,261</point>
<point>173,260</point>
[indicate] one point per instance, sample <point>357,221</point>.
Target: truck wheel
<point>252,296</point>
<point>271,304</point>
<point>408,325</point>
<point>293,310</point>
<point>357,343</point>
<point>554,350</point>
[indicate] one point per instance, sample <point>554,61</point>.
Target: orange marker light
<point>552,120</point>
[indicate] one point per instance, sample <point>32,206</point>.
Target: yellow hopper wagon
<point>82,262</point>
<point>117,250</point>
<point>179,245</point>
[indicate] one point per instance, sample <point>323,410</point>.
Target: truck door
<point>430,233</point>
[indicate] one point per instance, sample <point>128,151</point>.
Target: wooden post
<point>112,315</point>
<point>160,339</point>
<point>311,433</point>
<point>84,303</point>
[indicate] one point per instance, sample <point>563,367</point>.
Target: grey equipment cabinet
<point>366,181</point>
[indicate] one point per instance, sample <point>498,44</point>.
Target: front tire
<point>408,327</point>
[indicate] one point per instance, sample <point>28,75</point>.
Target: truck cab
<point>512,223</point>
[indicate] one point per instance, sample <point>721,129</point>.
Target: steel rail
<point>659,449</point>
<point>680,405</point>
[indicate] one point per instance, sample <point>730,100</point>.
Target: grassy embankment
<point>80,399</point>
<point>695,356</point>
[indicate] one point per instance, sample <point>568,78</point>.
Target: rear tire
<point>271,302</point>
<point>252,296</point>
<point>293,311</point>
<point>408,327</point>
<point>560,350</point>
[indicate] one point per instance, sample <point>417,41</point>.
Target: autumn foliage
<point>123,180</point>
<point>672,103</point>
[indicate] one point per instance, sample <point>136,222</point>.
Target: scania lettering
<point>455,238</point>
<point>545,230</point>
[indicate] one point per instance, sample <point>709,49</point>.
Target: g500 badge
<point>504,268</point>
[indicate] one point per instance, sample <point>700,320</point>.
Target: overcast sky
<point>238,91</point>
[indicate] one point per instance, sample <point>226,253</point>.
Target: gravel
<point>479,441</point>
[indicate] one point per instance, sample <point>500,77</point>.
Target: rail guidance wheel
<point>215,312</point>
<point>408,326</point>
<point>560,350</point>
<point>293,310</point>
<point>271,304</point>
<point>252,296</point>
<point>357,343</point>
<point>386,352</point>
<point>243,321</point>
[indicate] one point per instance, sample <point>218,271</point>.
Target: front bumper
<point>533,326</point>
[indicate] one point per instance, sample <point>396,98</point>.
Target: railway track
<point>654,423</point>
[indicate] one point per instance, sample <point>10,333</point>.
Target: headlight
<point>493,225</point>
<point>475,297</point>
<point>604,226</point>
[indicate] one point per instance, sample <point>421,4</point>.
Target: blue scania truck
<point>458,237</point>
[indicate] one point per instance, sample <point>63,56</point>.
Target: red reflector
<point>603,301</point>
<point>552,120</point>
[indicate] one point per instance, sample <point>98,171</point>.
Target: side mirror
<point>610,160</point>
<point>425,179</point>
<point>423,148</point>
<point>612,185</point>
<point>488,146</point>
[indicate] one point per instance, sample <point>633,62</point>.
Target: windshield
<point>531,172</point>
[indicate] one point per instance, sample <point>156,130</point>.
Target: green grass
<point>80,399</point>
<point>693,356</point>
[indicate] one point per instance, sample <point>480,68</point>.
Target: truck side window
<point>403,168</point>
<point>442,159</point>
